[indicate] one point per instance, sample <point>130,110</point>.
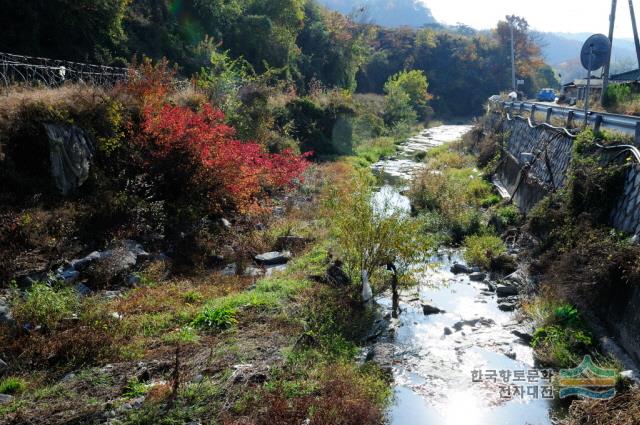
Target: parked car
<point>547,95</point>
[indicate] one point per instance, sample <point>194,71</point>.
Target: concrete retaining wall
<point>619,308</point>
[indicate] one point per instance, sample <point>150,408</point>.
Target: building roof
<point>582,82</point>
<point>626,76</point>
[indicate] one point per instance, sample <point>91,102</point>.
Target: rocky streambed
<point>456,346</point>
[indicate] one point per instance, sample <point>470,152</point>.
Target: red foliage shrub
<point>236,172</point>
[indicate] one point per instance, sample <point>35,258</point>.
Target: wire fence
<point>20,69</point>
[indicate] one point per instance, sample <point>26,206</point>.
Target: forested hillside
<point>292,40</point>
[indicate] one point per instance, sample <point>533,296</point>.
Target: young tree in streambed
<point>370,234</point>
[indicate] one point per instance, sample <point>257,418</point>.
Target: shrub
<point>368,237</point>
<point>134,389</point>
<point>407,88</point>
<point>45,306</point>
<point>482,250</point>
<point>561,337</point>
<point>12,385</point>
<point>216,318</point>
<point>559,345</point>
<point>324,130</point>
<point>201,152</point>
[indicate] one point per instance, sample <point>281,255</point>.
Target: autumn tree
<point>527,51</point>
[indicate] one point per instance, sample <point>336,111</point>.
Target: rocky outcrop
<point>98,267</point>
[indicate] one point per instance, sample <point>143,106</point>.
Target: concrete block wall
<point>618,307</point>
<point>525,139</point>
<point>626,213</point>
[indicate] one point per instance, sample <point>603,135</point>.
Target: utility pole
<point>513,60</point>
<point>607,65</point>
<point>635,30</point>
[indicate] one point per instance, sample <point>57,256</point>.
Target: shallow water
<point>433,370</point>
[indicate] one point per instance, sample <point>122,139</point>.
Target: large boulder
<point>70,153</point>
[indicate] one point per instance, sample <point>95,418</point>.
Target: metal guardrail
<point>20,69</point>
<point>625,124</point>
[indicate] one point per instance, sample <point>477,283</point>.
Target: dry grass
<point>624,409</point>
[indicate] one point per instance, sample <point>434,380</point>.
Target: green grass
<point>268,293</point>
<point>372,150</point>
<point>561,337</point>
<point>482,250</point>
<point>12,385</point>
<point>45,305</point>
<point>215,318</point>
<point>134,389</point>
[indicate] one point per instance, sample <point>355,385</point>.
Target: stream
<point>433,357</point>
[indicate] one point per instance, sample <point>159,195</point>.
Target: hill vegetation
<point>286,40</point>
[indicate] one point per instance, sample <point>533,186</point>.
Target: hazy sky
<point>544,15</point>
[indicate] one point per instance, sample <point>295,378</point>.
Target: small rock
<point>458,268</point>
<point>629,374</point>
<point>253,271</point>
<point>506,291</point>
<point>110,295</point>
<point>230,270</point>
<point>5,399</point>
<point>272,258</point>
<point>525,337</point>
<point>82,289</point>
<point>511,354</point>
<point>428,310</point>
<point>133,279</point>
<point>6,318</point>
<point>473,322</point>
<point>477,276</point>
<point>270,270</point>
<point>519,278</point>
<point>507,307</point>
<point>68,275</point>
<point>82,263</point>
<point>68,377</point>
<point>447,331</point>
<point>29,280</point>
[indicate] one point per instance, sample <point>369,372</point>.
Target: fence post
<point>570,119</point>
<point>598,123</point>
<point>549,113</point>
<point>533,114</point>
